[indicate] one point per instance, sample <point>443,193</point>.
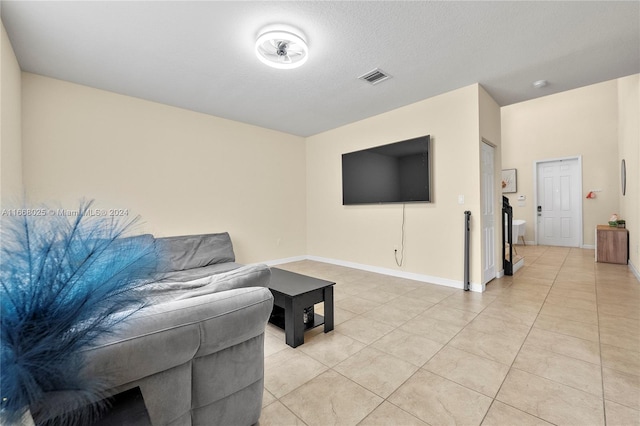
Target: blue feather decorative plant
<point>62,281</point>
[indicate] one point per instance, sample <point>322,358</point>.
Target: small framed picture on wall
<point>509,181</point>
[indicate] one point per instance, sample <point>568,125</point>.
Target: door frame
<point>484,280</point>
<point>535,195</point>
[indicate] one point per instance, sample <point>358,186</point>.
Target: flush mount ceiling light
<point>539,84</point>
<point>281,49</point>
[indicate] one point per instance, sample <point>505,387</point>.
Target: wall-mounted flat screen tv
<point>395,173</point>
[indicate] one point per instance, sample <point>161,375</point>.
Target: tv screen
<point>393,173</point>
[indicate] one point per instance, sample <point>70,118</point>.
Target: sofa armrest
<point>166,335</point>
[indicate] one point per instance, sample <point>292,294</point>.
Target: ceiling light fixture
<point>282,49</point>
<point>539,84</point>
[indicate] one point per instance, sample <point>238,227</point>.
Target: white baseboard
<point>519,264</point>
<point>384,271</point>
<point>276,262</point>
<point>634,270</point>
<point>475,287</point>
<point>584,246</point>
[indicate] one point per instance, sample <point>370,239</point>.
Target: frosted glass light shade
<point>281,49</point>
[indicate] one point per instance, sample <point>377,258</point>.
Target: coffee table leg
<point>293,322</point>
<point>328,309</point>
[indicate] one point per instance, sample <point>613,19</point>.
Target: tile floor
<point>558,343</point>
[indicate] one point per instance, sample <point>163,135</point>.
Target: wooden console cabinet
<point>612,244</point>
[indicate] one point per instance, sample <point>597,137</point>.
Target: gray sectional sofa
<point>197,351</point>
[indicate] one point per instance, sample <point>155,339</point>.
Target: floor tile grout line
<point>399,408</point>
<point>511,367</point>
<point>413,374</point>
<point>494,399</point>
<point>603,397</point>
<point>337,372</point>
<point>604,404</point>
<point>445,345</point>
<point>515,408</point>
<point>493,302</point>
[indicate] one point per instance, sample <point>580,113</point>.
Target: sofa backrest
<point>194,251</point>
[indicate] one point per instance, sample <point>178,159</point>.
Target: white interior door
<point>559,209</point>
<point>488,213</point>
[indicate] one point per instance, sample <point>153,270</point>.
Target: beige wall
<point>582,122</point>
<point>629,150</point>
<point>182,171</point>
<point>185,172</point>
<point>11,189</point>
<point>280,196</point>
<point>368,234</point>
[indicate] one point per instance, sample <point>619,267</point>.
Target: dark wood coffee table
<point>292,294</point>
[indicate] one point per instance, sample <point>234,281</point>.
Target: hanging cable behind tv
<point>395,251</point>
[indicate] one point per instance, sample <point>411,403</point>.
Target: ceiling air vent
<point>374,77</point>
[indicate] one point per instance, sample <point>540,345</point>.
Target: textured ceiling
<point>199,55</point>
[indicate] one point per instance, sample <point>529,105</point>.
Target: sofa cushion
<point>194,251</point>
<point>165,291</point>
<point>196,273</point>
<point>257,275</point>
